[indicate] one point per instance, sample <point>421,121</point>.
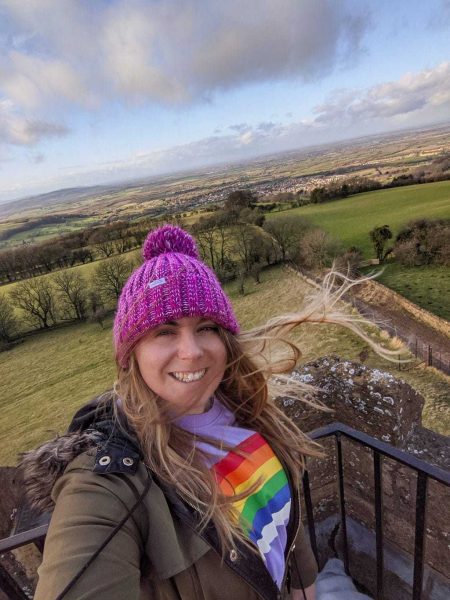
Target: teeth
<point>186,377</point>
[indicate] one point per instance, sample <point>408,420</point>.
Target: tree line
<point>421,242</point>
<point>437,170</point>
<point>69,250</point>
<point>236,241</point>
<point>66,296</point>
<point>103,241</point>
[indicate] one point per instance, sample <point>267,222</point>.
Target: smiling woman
<point>183,362</point>
<point>184,482</point>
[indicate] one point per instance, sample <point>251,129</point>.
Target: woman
<point>184,482</point>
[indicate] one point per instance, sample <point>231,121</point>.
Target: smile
<point>188,376</point>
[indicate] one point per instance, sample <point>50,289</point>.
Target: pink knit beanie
<point>172,283</point>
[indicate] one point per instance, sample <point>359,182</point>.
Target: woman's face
<point>183,362</point>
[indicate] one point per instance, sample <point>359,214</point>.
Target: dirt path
<point>426,335</point>
<point>419,336</point>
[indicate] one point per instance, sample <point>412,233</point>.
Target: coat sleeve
<point>87,510</point>
<point>303,563</point>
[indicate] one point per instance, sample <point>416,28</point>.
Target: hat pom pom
<point>169,239</point>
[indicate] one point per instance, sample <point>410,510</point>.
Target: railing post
<point>310,515</point>
<point>378,521</point>
<point>342,501</point>
<point>419,539</point>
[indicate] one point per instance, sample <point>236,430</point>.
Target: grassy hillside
<point>351,219</point>
<point>87,271</point>
<point>46,378</point>
<point>426,286</point>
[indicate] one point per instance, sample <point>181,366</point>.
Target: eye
<point>162,332</point>
<point>209,327</point>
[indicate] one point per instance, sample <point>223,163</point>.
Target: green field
<point>351,219</point>
<point>427,286</point>
<point>48,376</point>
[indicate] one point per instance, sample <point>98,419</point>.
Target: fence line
<point>428,355</point>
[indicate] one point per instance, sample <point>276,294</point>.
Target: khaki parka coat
<point>138,538</point>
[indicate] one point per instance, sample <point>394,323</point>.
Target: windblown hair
<point>259,363</point>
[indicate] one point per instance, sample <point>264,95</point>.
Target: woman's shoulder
<point>95,444</point>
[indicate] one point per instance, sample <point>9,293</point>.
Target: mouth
<point>188,376</point>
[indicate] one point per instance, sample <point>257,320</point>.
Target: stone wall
<point>388,409</point>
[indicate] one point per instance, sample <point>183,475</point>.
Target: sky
<point>103,91</point>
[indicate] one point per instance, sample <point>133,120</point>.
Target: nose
<point>189,347</point>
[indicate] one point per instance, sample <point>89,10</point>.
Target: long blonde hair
<point>259,365</point>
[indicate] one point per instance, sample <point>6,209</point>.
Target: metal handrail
<point>32,536</point>
<point>424,470</point>
<point>405,458</point>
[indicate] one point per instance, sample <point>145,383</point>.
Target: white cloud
<point>33,81</point>
<point>422,96</point>
<point>18,130</point>
<point>414,100</point>
<point>174,51</point>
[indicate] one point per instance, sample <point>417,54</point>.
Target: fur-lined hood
<point>94,426</point>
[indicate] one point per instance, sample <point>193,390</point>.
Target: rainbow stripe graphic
<point>265,513</point>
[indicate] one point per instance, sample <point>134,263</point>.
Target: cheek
<point>149,363</point>
<point>221,356</point>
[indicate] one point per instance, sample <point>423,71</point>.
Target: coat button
<point>233,555</point>
<point>127,461</point>
<point>104,460</point>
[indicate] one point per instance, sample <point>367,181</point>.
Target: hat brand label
<point>157,282</point>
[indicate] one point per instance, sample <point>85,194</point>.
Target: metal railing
<point>424,470</point>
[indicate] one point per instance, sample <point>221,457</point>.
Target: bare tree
<point>97,310</point>
<point>350,261</point>
<point>72,292</point>
<point>286,231</point>
<point>248,245</point>
<point>26,261</point>
<point>105,248</point>
<point>110,276</point>
<point>240,199</point>
<point>206,240</point>
<point>7,265</point>
<point>317,249</point>
<point>213,238</point>
<point>36,298</point>
<point>46,256</point>
<point>82,255</point>
<point>8,321</point>
<point>123,240</point>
